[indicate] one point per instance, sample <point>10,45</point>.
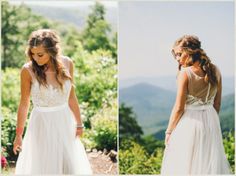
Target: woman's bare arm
<point>178,108</point>
<point>23,108</point>
<point>217,100</point>
<point>73,101</point>
<point>25,98</point>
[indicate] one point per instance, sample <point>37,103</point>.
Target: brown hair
<point>192,46</point>
<point>50,41</point>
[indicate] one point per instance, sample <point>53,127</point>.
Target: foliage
<point>136,160</point>
<point>114,46</point>
<point>95,79</point>
<point>14,39</point>
<point>227,113</point>
<point>150,143</point>
<point>11,88</point>
<point>229,145</point>
<point>9,29</point>
<point>95,35</point>
<point>128,126</point>
<point>103,133</point>
<point>8,125</point>
<point>137,154</point>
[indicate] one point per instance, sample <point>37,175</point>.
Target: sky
<point>148,30</point>
<point>64,3</point>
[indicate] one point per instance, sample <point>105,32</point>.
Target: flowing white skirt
<point>50,145</point>
<point>195,145</point>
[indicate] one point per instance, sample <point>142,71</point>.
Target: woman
<point>193,136</point>
<point>51,144</point>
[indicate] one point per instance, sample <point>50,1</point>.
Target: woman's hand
<point>167,139</point>
<point>79,132</point>
<point>17,144</point>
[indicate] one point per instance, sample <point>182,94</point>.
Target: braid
<point>192,46</point>
<point>208,68</point>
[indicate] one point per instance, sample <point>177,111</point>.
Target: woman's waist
<point>198,106</point>
<point>50,108</point>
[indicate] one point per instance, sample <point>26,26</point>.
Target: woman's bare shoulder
<point>26,71</point>
<point>27,65</point>
<point>217,71</point>
<point>67,61</point>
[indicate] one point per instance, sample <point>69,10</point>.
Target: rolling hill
<point>151,104</point>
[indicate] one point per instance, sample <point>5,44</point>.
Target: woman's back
<point>199,91</point>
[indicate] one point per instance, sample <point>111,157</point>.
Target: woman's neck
<point>197,68</point>
<point>196,65</point>
<point>49,67</point>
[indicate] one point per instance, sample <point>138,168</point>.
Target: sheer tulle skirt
<point>50,145</point>
<point>195,145</point>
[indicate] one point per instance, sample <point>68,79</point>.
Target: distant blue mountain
<point>150,103</point>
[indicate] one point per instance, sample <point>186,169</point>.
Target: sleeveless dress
<point>50,145</point>
<point>195,145</point>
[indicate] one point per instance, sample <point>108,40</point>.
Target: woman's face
<point>39,55</point>
<point>180,55</point>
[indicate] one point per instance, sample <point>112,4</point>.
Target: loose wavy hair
<point>192,46</point>
<point>50,42</point>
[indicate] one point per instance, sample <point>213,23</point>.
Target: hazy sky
<point>64,3</point>
<point>147,31</point>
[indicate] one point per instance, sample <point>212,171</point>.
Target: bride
<point>51,143</point>
<point>193,137</point>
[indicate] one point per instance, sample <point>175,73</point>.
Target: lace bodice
<point>199,92</point>
<point>48,96</point>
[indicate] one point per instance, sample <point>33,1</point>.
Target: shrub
<point>229,145</point>
<point>136,160</point>
<point>11,88</point>
<point>8,132</point>
<point>103,132</point>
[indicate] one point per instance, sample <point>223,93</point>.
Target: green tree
<point>10,30</point>
<point>128,126</point>
<point>150,143</point>
<point>95,35</point>
<point>114,46</point>
<point>17,24</point>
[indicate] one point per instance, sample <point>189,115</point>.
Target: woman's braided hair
<point>192,46</point>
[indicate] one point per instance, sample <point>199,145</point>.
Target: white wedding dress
<point>195,145</point>
<point>50,145</point>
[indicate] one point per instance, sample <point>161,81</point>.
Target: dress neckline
<point>52,87</point>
